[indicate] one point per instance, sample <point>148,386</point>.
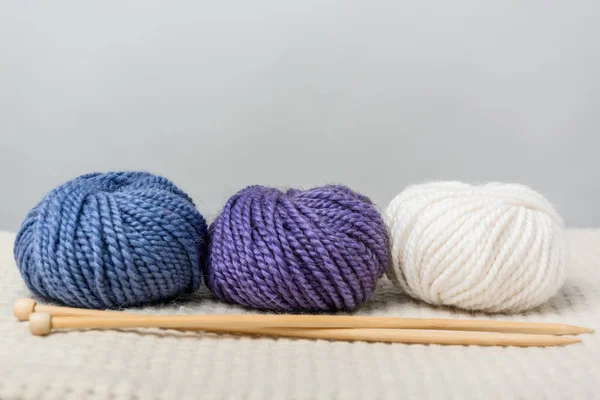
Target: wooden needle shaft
<point>322,321</point>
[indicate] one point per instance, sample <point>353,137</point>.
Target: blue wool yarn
<point>109,240</point>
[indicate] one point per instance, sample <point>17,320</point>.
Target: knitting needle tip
<point>569,340</point>
<point>573,330</point>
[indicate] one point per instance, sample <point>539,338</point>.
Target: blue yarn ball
<point>112,240</point>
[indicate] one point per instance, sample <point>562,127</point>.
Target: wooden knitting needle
<point>44,323</point>
<point>24,307</point>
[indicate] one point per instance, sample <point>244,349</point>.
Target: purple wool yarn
<point>321,249</point>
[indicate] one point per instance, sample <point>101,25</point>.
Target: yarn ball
<point>297,251</point>
<point>495,247</point>
<point>109,240</point>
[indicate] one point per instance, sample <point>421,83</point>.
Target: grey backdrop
<point>374,94</point>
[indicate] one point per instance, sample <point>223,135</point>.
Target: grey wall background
<point>373,94</point>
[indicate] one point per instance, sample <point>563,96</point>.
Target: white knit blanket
<point>157,364</point>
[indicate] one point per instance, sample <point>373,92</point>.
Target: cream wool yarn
<point>495,247</point>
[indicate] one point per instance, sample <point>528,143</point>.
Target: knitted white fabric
<point>164,365</point>
<point>496,247</point>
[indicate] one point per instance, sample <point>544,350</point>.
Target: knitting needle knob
<point>23,308</point>
<point>40,323</point>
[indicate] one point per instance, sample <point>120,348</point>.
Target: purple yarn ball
<point>321,249</point>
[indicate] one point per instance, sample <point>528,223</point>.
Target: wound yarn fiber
<point>108,240</point>
<point>495,247</point>
<point>294,251</point>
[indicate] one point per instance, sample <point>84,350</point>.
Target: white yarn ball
<point>496,247</point>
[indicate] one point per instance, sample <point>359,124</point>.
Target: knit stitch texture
<point>112,240</point>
